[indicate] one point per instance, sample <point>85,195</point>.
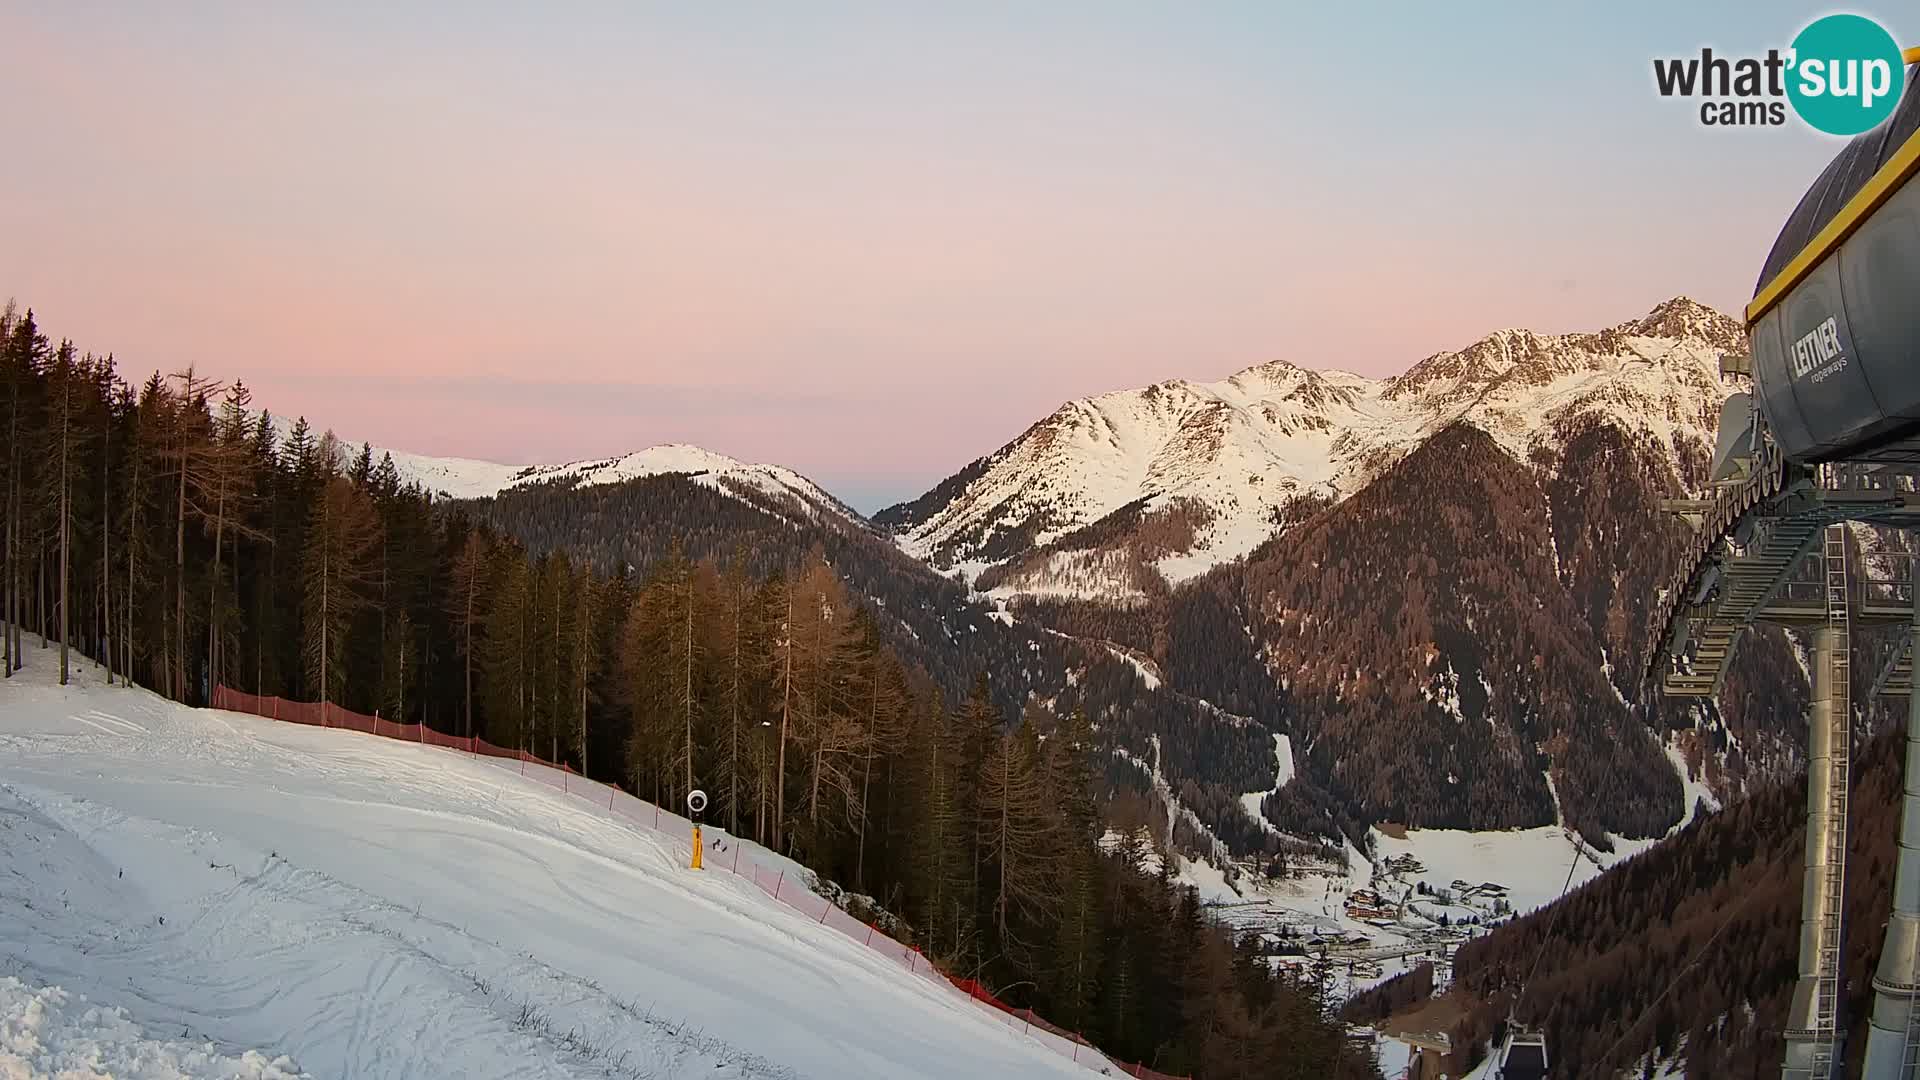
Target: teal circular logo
<point>1846,75</point>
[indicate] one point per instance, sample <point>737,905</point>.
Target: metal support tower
<point>1893,1040</point>
<point>1815,1028</point>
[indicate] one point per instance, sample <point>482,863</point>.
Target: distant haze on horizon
<point>866,242</point>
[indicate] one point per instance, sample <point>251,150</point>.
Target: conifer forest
<point>164,528</point>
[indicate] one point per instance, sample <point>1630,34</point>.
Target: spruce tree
<point>464,602</point>
<point>342,534</point>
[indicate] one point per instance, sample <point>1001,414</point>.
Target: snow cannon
<point>696,805</point>
<point>1834,323</point>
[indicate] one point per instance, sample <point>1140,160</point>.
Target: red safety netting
<point>631,808</point>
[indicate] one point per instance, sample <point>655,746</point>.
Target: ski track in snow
<point>1283,764</point>
<point>372,909</point>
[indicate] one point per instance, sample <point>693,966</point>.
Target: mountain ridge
<point>473,478</point>
<point>1225,461</point>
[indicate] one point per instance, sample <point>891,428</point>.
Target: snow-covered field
<point>346,906</point>
<point>1531,863</point>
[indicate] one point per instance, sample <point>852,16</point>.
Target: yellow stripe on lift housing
<point>1896,172</point>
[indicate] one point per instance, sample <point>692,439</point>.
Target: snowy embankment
<point>370,908</point>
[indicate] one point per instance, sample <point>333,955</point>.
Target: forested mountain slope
<point>1466,628</point>
<point>1209,757</point>
<point>1687,951</point>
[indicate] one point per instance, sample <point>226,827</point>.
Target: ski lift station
<point>1828,434</point>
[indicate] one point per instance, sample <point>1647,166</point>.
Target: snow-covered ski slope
<point>370,909</point>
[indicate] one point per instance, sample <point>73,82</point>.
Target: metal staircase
<point>1895,677</point>
<point>1743,589</point>
<point>1750,540</point>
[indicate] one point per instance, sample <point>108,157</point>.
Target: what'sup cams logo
<point>1843,75</point>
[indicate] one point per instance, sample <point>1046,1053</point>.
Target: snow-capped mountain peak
<point>1188,475</point>
<point>705,466</point>
<point>771,486</point>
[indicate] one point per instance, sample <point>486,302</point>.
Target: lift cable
<point>1698,956</point>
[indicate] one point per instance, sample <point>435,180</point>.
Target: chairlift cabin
<point>1523,1057</point>
<point>1833,324</point>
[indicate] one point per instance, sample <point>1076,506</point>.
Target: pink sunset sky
<point>870,242</point>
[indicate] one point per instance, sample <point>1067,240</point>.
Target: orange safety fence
<point>773,882</point>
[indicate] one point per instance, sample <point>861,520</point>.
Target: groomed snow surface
<point>291,900</point>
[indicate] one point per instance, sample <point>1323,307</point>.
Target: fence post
<point>777,884</point>
<point>736,855</point>
<point>656,815</point>
<point>609,799</point>
<point>869,935</point>
<point>823,913</point>
<point>1076,1051</point>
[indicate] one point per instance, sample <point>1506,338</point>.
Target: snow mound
<point>46,1031</point>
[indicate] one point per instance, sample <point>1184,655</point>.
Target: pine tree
<point>975,733</point>
<point>736,650</point>
<point>814,715</point>
<point>226,462</point>
<point>557,638</point>
<point>115,408</point>
<point>342,534</point>
<point>785,643</point>
<point>65,403</point>
<point>1074,961</point>
<point>941,863</point>
<point>585,652</point>
<point>1016,824</point>
<point>196,466</point>
<point>883,729</point>
<point>393,691</point>
<point>470,568</point>
<point>685,657</point>
<point>504,647</point>
<point>151,422</point>
<point>26,355</point>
